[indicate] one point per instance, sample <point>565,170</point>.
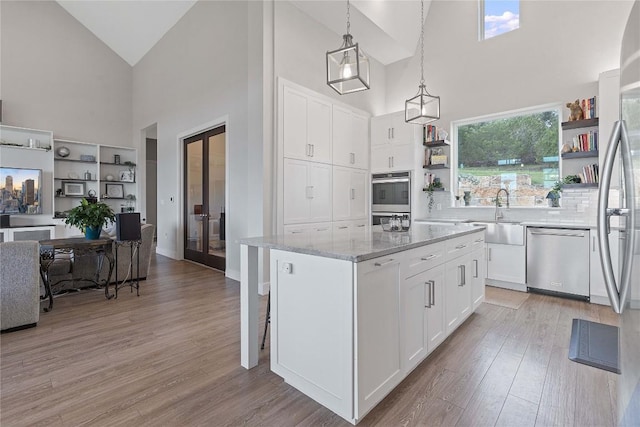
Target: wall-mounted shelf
<point>581,185</point>
<point>24,147</point>
<point>576,124</point>
<point>75,180</point>
<point>435,167</point>
<point>579,154</point>
<point>438,143</point>
<point>62,159</point>
<point>435,189</point>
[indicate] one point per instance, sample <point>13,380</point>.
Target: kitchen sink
<point>506,233</point>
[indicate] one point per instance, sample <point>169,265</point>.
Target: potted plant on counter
<point>90,217</point>
<point>436,185</point>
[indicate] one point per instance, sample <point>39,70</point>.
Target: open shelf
<point>438,143</point>
<point>581,185</point>
<point>435,167</point>
<point>576,124</point>
<point>75,180</point>
<point>579,154</point>
<point>62,159</point>
<point>435,189</point>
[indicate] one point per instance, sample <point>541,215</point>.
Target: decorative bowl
<point>63,151</point>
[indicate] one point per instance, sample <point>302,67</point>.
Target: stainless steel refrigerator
<point>625,143</point>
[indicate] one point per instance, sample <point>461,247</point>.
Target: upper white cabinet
<point>349,194</point>
<point>307,192</point>
<point>306,127</point>
<point>350,139</point>
<point>388,158</point>
<point>392,129</point>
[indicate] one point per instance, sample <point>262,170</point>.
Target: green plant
<point>92,215</point>
<point>429,189</point>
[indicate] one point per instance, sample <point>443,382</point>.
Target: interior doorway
<point>205,198</point>
<point>151,177</point>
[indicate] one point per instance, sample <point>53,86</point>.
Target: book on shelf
<point>589,108</point>
<point>430,134</point>
<point>590,174</point>
<point>586,141</point>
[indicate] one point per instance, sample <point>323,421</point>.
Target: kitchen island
<point>353,313</point>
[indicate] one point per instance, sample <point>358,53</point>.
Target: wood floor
<point>171,357</point>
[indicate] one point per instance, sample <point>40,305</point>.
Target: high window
<point>516,151</point>
<point>498,17</point>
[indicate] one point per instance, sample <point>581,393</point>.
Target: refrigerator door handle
<point>617,294</point>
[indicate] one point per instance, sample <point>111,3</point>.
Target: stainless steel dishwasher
<point>558,261</point>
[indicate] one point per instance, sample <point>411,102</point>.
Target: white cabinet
<point>598,289</point>
<point>316,228</point>
<point>387,158</point>
<point>306,127</point>
<point>350,133</point>
<point>479,271</point>
<point>506,263</point>
<point>423,325</point>
<point>378,330</point>
<point>307,192</point>
<point>458,291</point>
<point>392,129</point>
<point>349,194</point>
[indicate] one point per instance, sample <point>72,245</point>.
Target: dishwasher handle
<point>556,233</point>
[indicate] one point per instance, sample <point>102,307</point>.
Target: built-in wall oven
<point>390,195</point>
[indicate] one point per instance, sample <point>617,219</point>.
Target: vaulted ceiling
<point>386,29</point>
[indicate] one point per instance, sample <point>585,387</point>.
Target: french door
<point>204,196</point>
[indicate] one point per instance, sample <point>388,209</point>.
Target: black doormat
<point>594,344</point>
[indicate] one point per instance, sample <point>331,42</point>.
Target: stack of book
<point>586,141</point>
<point>430,134</point>
<point>590,174</point>
<point>589,108</point>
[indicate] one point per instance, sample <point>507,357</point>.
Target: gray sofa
<point>74,274</point>
<point>19,285</point>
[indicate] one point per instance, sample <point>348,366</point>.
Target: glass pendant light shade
<point>422,108</point>
<point>348,68</point>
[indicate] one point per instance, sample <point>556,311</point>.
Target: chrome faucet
<point>498,213</point>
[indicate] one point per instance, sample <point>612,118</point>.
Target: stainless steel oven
<point>391,193</point>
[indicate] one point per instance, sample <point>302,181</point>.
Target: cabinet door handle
<point>393,161</point>
<point>461,246</point>
<point>313,150</point>
<point>352,158</point>
<point>388,133</point>
<point>393,132</point>
<point>297,232</point>
<point>429,284</point>
<point>432,256</point>
<point>433,293</point>
<point>462,274</point>
<point>593,243</point>
<point>479,240</point>
<point>310,192</point>
<point>380,264</point>
<point>360,225</point>
<point>342,227</point>
<point>389,162</point>
<point>489,254</point>
<point>353,194</point>
<point>475,265</point>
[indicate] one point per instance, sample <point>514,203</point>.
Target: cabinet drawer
<point>460,246</point>
<point>421,259</point>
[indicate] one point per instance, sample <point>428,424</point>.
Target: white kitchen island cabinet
<point>352,314</point>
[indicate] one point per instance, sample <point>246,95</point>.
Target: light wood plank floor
<point>171,357</point>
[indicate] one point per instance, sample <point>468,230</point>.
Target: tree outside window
<point>519,153</point>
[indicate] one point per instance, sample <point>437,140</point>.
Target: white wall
<point>550,59</point>
<point>56,75</point>
<point>196,73</point>
<point>301,45</point>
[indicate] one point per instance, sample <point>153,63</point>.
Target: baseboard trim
<point>166,252</point>
<point>232,274</point>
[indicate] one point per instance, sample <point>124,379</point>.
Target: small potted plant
<point>436,185</point>
<point>90,217</point>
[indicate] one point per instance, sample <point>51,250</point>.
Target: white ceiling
<point>386,30</point>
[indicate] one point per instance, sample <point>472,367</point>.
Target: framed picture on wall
<point>127,176</point>
<point>73,188</point>
<point>114,191</point>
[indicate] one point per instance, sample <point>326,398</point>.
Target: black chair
<point>267,320</point>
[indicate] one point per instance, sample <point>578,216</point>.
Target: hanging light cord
<point>348,18</point>
<point>421,43</point>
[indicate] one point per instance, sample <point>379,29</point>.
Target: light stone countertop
<point>362,244</point>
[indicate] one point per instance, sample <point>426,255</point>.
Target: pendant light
<point>422,108</point>
<point>348,66</point>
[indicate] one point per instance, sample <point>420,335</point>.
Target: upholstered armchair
<point>19,285</point>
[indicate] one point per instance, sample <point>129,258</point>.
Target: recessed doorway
<point>205,198</point>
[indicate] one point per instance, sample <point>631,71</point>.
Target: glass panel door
<point>204,178</point>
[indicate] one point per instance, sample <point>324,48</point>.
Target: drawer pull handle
<point>380,264</point>
<point>479,240</point>
<point>432,256</point>
<point>461,246</point>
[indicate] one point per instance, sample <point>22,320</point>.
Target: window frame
<point>497,116</point>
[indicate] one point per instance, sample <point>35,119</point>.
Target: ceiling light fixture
<point>422,108</point>
<point>348,66</point>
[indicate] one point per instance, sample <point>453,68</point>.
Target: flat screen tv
<point>20,191</point>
